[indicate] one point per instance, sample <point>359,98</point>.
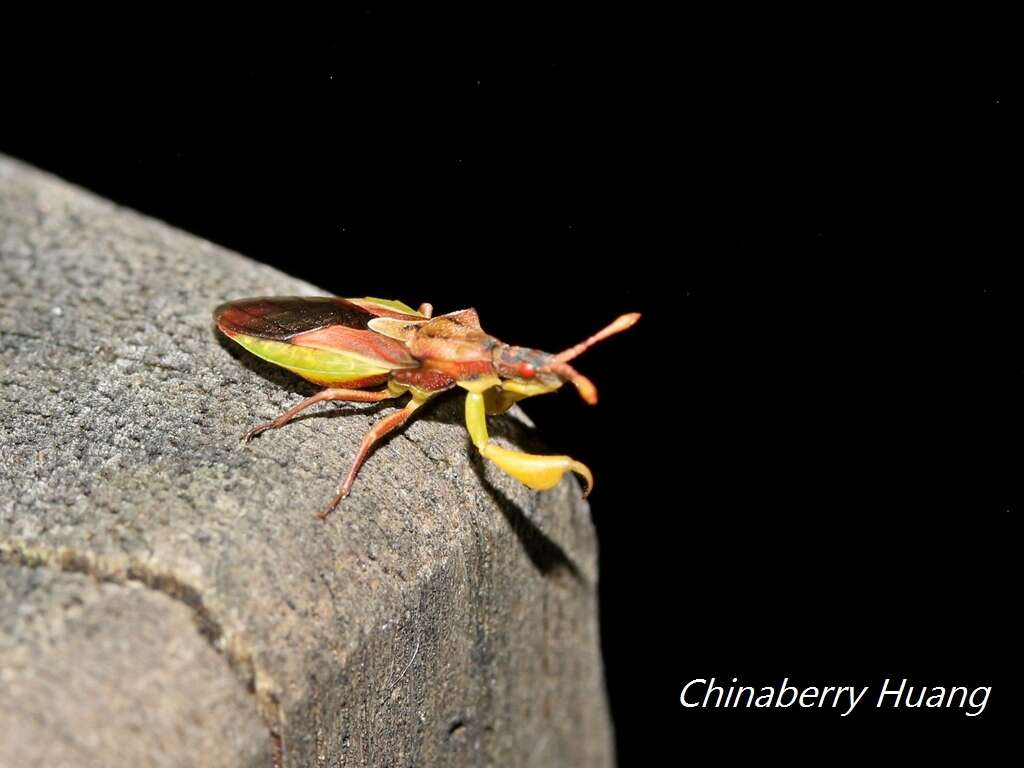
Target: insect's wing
<point>323,339</point>
<point>282,317</point>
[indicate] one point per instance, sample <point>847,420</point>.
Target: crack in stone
<point>233,650</point>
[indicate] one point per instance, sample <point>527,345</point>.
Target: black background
<point>808,451</point>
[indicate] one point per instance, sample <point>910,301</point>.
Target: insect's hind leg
<point>538,472</point>
<point>331,393</point>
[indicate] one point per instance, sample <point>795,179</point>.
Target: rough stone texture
<point>78,658</point>
<point>444,615</point>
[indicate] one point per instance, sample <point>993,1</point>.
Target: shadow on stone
<point>546,555</point>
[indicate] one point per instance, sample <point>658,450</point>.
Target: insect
<point>368,350</point>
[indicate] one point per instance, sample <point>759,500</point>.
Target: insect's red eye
<point>527,371</point>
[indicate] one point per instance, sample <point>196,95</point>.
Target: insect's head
<point>544,372</point>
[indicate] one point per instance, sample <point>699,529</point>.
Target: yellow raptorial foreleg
<point>538,472</point>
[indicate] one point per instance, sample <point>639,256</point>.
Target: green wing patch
<point>319,365</point>
<point>393,305</point>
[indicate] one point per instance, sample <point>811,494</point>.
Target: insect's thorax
<point>477,360</point>
<point>458,350</point>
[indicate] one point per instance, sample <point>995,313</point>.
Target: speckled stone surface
<point>444,614</point>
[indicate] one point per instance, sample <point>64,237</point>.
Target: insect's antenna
<point>584,385</point>
<point>620,324</point>
<point>560,363</point>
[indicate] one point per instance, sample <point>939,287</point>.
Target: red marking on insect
<point>365,343</point>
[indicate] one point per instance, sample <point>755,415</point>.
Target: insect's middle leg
<point>538,472</point>
<point>422,385</point>
<point>382,428</point>
<point>331,393</point>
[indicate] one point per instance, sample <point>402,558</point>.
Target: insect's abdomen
<point>323,367</point>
